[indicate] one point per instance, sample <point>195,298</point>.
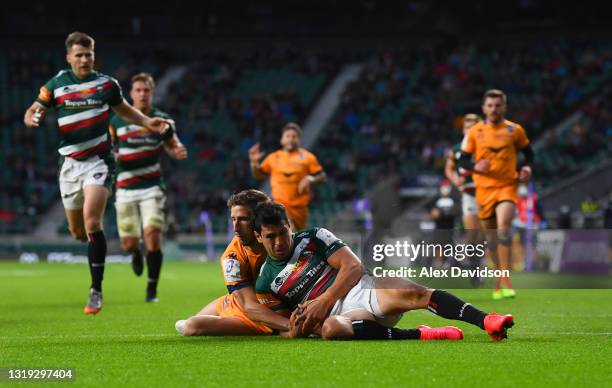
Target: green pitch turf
<point>561,338</point>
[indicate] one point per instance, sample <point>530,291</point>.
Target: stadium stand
<point>401,116</point>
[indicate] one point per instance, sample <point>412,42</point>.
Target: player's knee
<point>78,233</point>
<point>504,237</point>
<point>415,292</point>
<point>93,224</point>
<point>190,328</point>
<point>129,244</point>
<point>336,327</point>
<point>152,239</point>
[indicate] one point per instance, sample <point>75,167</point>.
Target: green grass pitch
<point>561,338</point>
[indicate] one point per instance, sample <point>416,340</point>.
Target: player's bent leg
<point>94,206</point>
<point>128,226</point>
<point>504,213</point>
<point>152,237</point>
<point>210,309</point>
<point>402,295</point>
<point>396,296</point>
<point>489,227</point>
<point>76,224</point>
<point>214,326</point>
<point>93,212</point>
<point>337,327</point>
<point>344,328</point>
<point>155,258</point>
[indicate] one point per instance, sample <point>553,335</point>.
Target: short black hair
<point>270,213</point>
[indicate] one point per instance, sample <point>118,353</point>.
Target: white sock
<point>180,325</point>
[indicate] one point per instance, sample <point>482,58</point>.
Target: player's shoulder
<point>156,112</point>
<point>318,233</point>
<point>512,126</point>
<point>60,78</point>
<point>306,233</point>
<point>235,250</point>
<point>276,154</point>
<point>478,127</point>
<point>307,154</point>
<point>99,75</point>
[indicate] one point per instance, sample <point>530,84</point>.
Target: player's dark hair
<point>270,213</point>
<point>249,198</point>
<point>81,39</point>
<point>292,127</point>
<point>144,77</point>
<point>495,93</point>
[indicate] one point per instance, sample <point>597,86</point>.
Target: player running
<point>292,170</point>
<point>239,312</point>
<point>462,179</point>
<point>315,274</point>
<point>140,196</point>
<point>81,98</point>
<point>493,144</point>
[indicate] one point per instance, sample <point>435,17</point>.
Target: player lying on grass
<point>315,275</point>
<point>239,312</point>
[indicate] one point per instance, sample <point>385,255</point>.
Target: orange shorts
<point>228,306</point>
<point>298,216</point>
<point>487,199</point>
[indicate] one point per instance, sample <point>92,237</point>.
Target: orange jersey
<point>498,144</point>
<point>286,170</point>
<point>240,265</point>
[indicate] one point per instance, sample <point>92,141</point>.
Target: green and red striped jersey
<point>138,152</point>
<point>304,275</point>
<point>83,111</point>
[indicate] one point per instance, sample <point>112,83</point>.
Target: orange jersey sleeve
<point>521,139</point>
<point>240,266</point>
<point>266,165</point>
<point>314,167</point>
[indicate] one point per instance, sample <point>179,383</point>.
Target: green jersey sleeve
<point>327,242</point>
<point>45,94</point>
<point>116,96</point>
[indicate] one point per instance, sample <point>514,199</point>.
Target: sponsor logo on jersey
<point>90,102</point>
<point>231,269</point>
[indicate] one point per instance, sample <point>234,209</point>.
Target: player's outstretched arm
<point>349,273</point>
<point>134,116</point>
<point>34,114</point>
<point>258,312</point>
<point>255,156</point>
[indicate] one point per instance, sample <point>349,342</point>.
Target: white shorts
<point>76,174</point>
<point>139,209</point>
<point>468,204</point>
<point>363,297</point>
